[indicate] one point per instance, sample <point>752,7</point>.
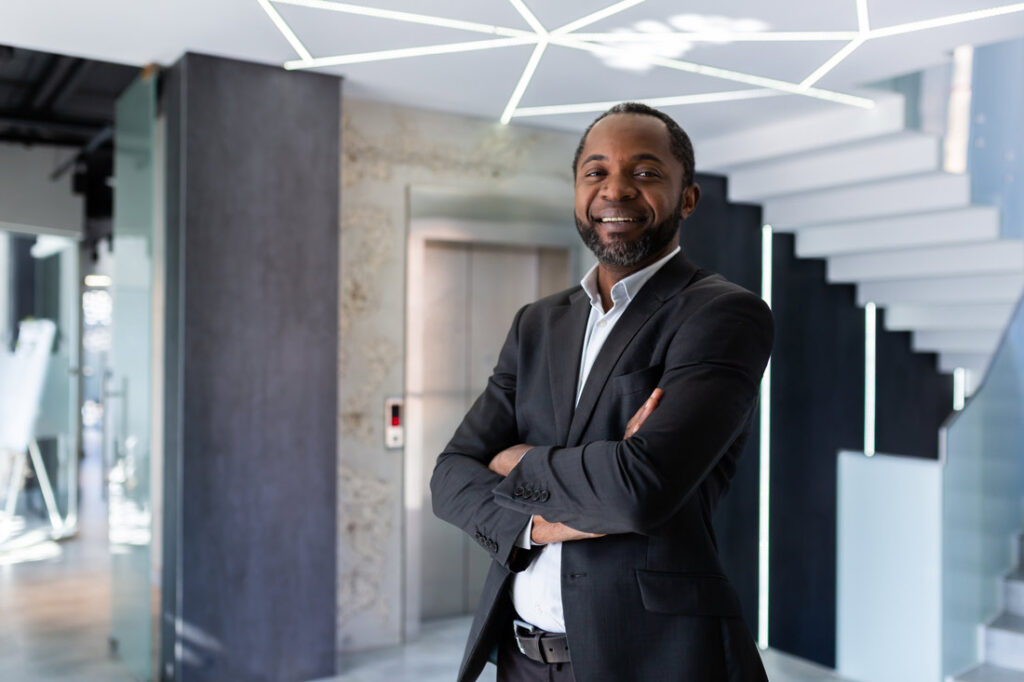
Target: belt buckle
<point>525,631</point>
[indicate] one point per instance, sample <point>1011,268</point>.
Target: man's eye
<point>647,173</point>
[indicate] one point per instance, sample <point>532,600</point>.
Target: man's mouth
<point>613,220</point>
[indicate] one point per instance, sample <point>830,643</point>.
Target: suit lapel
<point>674,276</point>
<point>568,324</point>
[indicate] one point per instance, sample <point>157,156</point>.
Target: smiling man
<point>592,463</point>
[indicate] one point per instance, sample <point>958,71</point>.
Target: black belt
<point>540,645</point>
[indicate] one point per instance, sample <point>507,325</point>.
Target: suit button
<point>544,496</point>
<point>535,495</point>
<point>518,492</point>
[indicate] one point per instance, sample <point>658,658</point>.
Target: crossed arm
<point>543,531</point>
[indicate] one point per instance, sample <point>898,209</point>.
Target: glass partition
<point>128,393</point>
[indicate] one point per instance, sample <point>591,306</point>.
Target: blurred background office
<point>257,258</point>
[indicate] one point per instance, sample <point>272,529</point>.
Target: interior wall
<point>29,200</point>
<point>386,150</point>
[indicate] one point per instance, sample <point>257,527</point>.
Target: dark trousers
<point>515,666</point>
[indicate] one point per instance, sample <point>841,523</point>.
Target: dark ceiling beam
<point>49,86</point>
<point>82,129</point>
<point>70,86</point>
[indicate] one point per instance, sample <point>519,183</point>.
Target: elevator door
<point>470,294</point>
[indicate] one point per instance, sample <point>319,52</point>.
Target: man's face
<point>629,191</point>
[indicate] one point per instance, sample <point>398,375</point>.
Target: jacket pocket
<point>645,379</point>
<point>691,594</point>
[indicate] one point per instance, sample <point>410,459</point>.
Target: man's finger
<point>645,411</point>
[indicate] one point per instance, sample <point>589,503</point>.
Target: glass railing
<point>982,499</point>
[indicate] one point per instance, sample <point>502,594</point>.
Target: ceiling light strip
<point>725,74</point>
<point>598,16</point>
<point>285,30</point>
<point>832,62</point>
<point>406,52</point>
<point>524,82</point>
<point>863,25</point>
<point>529,17</point>
<point>679,100</point>
<point>719,36</point>
<point>408,17</point>
<point>963,17</point>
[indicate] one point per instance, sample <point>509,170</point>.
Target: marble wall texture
<point>386,151</point>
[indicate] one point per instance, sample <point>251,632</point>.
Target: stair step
<point>940,289</point>
<point>974,362</point>
<point>1013,593</point>
<point>974,223</point>
<point>896,196</point>
<point>957,341</point>
<point>1004,642</point>
<point>867,161</point>
<point>913,317</point>
<point>991,673</point>
<point>825,129</point>
<point>994,257</point>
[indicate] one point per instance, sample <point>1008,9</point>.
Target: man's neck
<point>609,275</point>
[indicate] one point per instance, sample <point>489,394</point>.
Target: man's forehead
<point>641,130</point>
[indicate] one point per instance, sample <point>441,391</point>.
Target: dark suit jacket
<point>648,601</point>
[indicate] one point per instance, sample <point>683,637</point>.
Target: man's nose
<point>618,187</point>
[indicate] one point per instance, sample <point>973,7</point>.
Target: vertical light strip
<point>959,388</point>
<point>524,81</point>
<point>765,454</point>
<point>285,30</point>
<point>958,119</point>
<point>870,322</point>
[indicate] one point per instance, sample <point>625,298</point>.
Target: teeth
<point>619,220</point>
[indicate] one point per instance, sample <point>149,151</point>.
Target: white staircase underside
<point>928,192</point>
<point>871,199</point>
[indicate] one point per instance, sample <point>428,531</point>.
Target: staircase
<point>1003,638</point>
<point>870,197</point>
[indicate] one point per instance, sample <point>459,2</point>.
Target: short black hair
<point>679,141</point>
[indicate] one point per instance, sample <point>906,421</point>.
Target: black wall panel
<point>253,188</point>
<point>726,238</point>
<point>817,410</point>
<point>913,399</point>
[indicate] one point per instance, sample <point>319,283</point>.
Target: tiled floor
<point>435,658</point>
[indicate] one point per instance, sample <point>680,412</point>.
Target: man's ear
<point>689,200</point>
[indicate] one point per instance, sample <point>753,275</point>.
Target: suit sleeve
<point>712,372</point>
<point>462,486</point>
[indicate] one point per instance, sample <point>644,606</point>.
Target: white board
<point>22,375</point>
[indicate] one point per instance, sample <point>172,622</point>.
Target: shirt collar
<point>626,288</point>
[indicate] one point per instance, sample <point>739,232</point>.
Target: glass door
<point>128,392</point>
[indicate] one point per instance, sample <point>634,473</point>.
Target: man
<point>591,464</point>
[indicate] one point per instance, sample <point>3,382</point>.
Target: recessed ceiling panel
<point>555,13</point>
<point>733,15</point>
<point>885,13</point>
<point>326,33</point>
<point>475,86</point>
<point>497,13</point>
<point>567,76</point>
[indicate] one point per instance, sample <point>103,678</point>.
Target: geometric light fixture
<point>610,44</point>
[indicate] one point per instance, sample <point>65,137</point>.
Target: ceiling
<point>725,64</point>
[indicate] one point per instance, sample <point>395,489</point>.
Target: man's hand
<point>544,532</point>
<point>643,413</point>
<point>506,460</point>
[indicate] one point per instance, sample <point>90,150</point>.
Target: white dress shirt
<point>537,591</point>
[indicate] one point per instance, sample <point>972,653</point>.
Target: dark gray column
<point>252,304</point>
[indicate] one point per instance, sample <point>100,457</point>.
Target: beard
<point>628,253</point>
